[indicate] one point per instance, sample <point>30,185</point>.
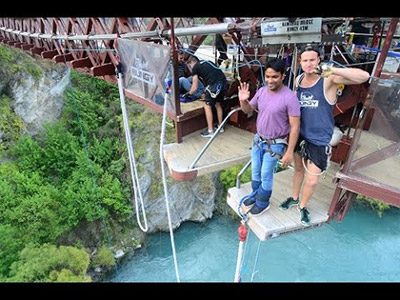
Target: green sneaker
<point>304,216</point>
<point>288,203</point>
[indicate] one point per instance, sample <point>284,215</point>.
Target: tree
<point>47,263</point>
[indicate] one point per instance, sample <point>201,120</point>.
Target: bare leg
<point>310,183</point>
<point>298,176</point>
<point>209,117</point>
<point>220,112</point>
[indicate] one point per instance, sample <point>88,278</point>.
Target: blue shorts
<point>220,97</point>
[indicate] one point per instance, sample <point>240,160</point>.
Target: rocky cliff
<point>39,100</point>
<point>36,87</point>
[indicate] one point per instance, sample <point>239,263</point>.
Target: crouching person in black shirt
<point>216,85</point>
<point>185,79</point>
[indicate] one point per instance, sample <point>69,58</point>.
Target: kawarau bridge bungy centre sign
<point>285,32</point>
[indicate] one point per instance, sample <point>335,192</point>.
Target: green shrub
<point>377,205</point>
<point>103,258</point>
<point>10,124</point>
<point>48,263</point>
<point>228,176</point>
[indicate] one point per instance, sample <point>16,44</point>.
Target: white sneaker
<point>207,134</point>
<point>216,127</point>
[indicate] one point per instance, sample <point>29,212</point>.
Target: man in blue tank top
<point>278,125</point>
<point>316,89</point>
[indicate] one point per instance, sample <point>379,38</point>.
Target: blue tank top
<point>317,122</point>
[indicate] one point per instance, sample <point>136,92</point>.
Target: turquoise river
<point>362,248</point>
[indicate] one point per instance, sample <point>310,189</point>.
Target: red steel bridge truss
<point>88,43</point>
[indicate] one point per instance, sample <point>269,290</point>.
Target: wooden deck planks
<point>189,106</point>
<point>229,148</point>
<point>275,222</point>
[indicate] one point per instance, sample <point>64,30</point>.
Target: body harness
<point>304,156</point>
<point>270,142</point>
<point>259,143</point>
<point>218,89</point>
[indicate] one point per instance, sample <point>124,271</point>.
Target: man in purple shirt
<point>278,126</point>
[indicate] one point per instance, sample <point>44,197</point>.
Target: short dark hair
<point>192,58</point>
<point>309,47</point>
<point>276,64</point>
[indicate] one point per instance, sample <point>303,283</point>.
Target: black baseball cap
<point>309,47</point>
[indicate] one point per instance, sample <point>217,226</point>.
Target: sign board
<point>145,67</point>
<point>307,30</point>
<point>138,71</point>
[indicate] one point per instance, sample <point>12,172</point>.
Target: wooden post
<point>175,81</point>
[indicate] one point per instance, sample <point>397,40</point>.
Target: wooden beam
<point>106,69</point>
<point>342,211</point>
<point>27,46</point>
<point>183,176</point>
<point>374,157</point>
<point>18,45</point>
<point>81,63</point>
<point>49,54</point>
<point>36,50</point>
<point>60,58</point>
<point>370,188</point>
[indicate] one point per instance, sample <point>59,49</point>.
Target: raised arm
<point>347,76</point>
<point>244,95</point>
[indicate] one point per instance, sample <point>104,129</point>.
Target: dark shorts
<point>220,97</point>
<point>316,154</point>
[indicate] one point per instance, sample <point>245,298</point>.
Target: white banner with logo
<point>145,67</point>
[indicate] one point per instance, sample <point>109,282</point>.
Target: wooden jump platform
<point>274,222</point>
<point>232,147</point>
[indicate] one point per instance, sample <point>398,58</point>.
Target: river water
<point>362,248</point>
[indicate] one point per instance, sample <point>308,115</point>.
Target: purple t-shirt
<point>274,110</point>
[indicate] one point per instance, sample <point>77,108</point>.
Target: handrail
<point>241,173</point>
<point>213,137</point>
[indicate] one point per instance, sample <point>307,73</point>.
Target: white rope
<point>171,232</point>
<point>309,172</point>
<point>239,262</point>
<point>253,274</point>
<point>328,153</point>
<point>132,162</point>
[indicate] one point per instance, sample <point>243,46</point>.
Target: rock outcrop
<point>39,100</point>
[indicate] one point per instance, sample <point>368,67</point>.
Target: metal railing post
<point>241,173</point>
<point>213,137</point>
